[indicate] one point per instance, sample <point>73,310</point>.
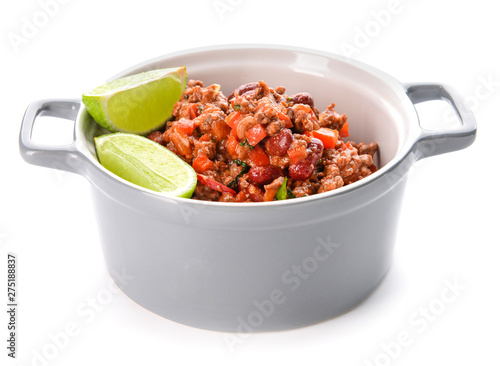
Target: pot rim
<point>396,86</point>
<point>407,97</point>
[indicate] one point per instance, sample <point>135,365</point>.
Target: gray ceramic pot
<point>262,266</point>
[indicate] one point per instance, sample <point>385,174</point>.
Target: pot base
<point>257,321</point>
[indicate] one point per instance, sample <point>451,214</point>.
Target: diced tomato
<point>202,163</point>
<point>185,126</point>
<point>233,118</point>
<point>255,134</point>
<point>219,187</point>
<point>181,143</point>
<point>193,111</point>
<point>284,117</point>
<point>344,131</point>
<point>327,136</point>
<point>241,196</point>
<point>346,145</point>
<point>306,108</point>
<point>296,155</point>
<point>259,156</point>
<point>205,138</point>
<point>232,145</point>
<point>220,130</point>
<point>234,133</point>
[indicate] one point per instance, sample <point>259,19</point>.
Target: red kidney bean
<point>279,143</point>
<point>303,98</point>
<point>242,89</point>
<point>264,174</point>
<point>304,169</point>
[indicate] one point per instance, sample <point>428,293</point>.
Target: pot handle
<point>63,157</point>
<point>437,142</point>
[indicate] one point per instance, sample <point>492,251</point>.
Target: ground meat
<point>280,90</point>
<point>243,105</point>
<point>157,137</point>
<point>261,91</point>
<point>303,119</point>
<point>369,149</point>
<point>275,127</point>
<point>298,148</point>
<point>207,119</point>
<point>226,197</point>
<point>243,182</point>
<point>282,162</point>
<point>221,102</point>
<point>204,193</point>
<point>331,119</point>
<point>272,188</point>
<point>204,147</point>
<point>332,179</point>
<point>229,174</point>
<point>209,94</point>
<point>305,188</point>
<point>357,168</point>
<point>216,134</point>
<point>192,83</point>
<point>255,193</point>
<point>352,166</point>
<point>267,111</point>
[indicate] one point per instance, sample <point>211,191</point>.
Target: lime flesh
<point>146,163</point>
<point>138,103</point>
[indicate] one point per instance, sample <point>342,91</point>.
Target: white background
<point>449,222</point>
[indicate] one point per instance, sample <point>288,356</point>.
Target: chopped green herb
<point>282,192</point>
<point>241,163</point>
<point>246,143</point>
<point>289,99</point>
<point>212,141</point>
<point>186,96</point>
<point>289,193</point>
<point>237,107</point>
<point>234,183</point>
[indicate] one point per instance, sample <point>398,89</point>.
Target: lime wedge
<point>146,163</point>
<point>137,103</point>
